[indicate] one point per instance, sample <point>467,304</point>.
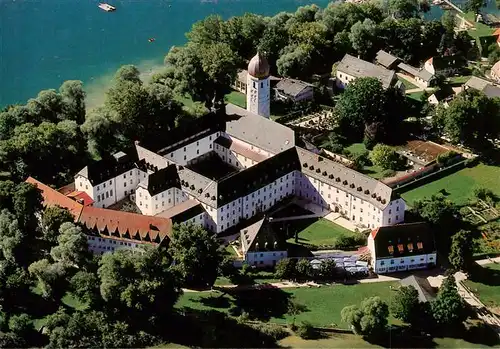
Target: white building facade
<point>259,87</point>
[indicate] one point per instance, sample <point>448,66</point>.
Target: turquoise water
<point>43,43</point>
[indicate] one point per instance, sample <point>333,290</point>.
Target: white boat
<point>106,7</point>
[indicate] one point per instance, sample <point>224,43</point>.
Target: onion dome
<point>258,67</point>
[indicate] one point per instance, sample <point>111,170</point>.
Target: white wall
<point>258,96</point>
<point>264,258</point>
<point>113,190</point>
<point>152,205</point>
<point>99,245</point>
<point>387,265</point>
<point>343,79</point>
<point>192,150</point>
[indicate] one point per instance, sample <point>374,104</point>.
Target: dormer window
<point>318,170</point>
<point>410,247</point>
<point>311,167</point>
<point>390,248</point>
<point>420,245</point>
<point>401,248</point>
<point>367,192</point>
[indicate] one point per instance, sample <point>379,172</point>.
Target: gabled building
<point>351,68</point>
<point>260,245</point>
<point>109,230</point>
<point>387,60</point>
<point>485,86</point>
<point>402,247</point>
<point>293,90</point>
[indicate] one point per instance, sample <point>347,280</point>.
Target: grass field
<point>236,98</point>
<point>407,84</point>
<point>486,286</point>
<point>320,232</point>
<point>459,80</point>
<point>372,171</point>
<point>416,95</point>
<point>480,29</point>
<point>356,148</point>
<point>459,185</point>
<point>322,305</point>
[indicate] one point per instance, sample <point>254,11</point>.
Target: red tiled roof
<point>109,222</point>
<point>81,195</point>
<point>53,197</point>
<point>126,224</point>
<point>374,233</point>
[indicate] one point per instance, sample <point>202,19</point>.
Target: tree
<point>52,219</point>
<point>405,305</point>
<point>140,285</point>
<point>22,325</point>
<point>50,277</point>
<point>84,285</point>
<point>196,253</point>
<point>386,157</point>
<point>448,308</point>
<point>404,8</point>
<point>327,269</point>
<point>304,269</point>
<point>11,237</point>
<point>370,319</point>
<point>295,309</point>
<point>286,269</point>
<point>461,250</point>
<point>364,36</point>
<point>73,98</point>
<point>294,60</point>
<point>475,5</point>
<point>72,248</point>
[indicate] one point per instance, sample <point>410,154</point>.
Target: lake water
<point>43,43</point>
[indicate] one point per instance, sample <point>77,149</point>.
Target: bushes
<point>349,241</point>
<point>446,159</point>
<point>274,331</point>
<point>306,331</point>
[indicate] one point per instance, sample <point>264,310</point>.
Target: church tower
<point>258,87</point>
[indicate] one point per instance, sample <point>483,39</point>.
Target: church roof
<point>257,130</point>
<point>258,67</point>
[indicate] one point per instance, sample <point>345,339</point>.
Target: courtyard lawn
<point>322,305</point>
<point>485,283</point>
<point>480,29</point>
<point>458,186</point>
<point>459,80</point>
<point>416,95</point>
<point>407,83</point>
<point>237,98</point>
<point>356,148</point>
<point>319,232</point>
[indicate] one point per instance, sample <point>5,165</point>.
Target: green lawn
<point>352,341</point>
<point>480,29</point>
<point>416,95</point>
<point>237,98</point>
<point>356,148</point>
<point>320,232</point>
<point>486,285</point>
<point>322,305</point>
<point>408,84</point>
<point>459,80</point>
<point>372,171</point>
<point>459,185</point>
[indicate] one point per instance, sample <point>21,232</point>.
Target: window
<point>390,211</point>
<point>146,205</point>
<point>124,184</point>
<point>140,203</point>
<point>382,263</point>
<point>111,192</point>
<point>185,157</point>
<point>389,220</point>
<point>397,208</point>
<point>97,187</point>
<point>110,182</point>
<point>131,182</point>
<point>124,175</point>
<point>107,195</point>
<point>163,203</point>
<point>397,217</point>
<point>184,148</point>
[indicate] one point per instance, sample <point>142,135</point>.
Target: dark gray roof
<point>421,73</point>
<point>339,176</point>
<point>386,59</point>
<point>182,212</point>
<point>161,180</point>
<point>477,83</point>
<point>111,166</point>
<point>491,91</point>
<point>260,236</point>
<point>360,69</point>
<point>199,186</point>
<point>422,285</point>
<point>403,240</point>
<point>292,87</point>
<point>257,130</point>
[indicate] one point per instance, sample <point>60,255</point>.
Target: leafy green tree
<point>197,254</point>
<point>286,269</point>
<point>128,73</point>
<point>475,5</point>
<point>304,269</point>
<point>404,8</point>
<point>50,277</point>
<point>405,305</point>
<point>84,285</point>
<point>72,248</point>
<point>364,36</point>
<point>73,98</point>
<point>21,325</point>
<point>52,219</point>
<point>11,237</point>
<point>385,156</point>
<point>141,285</point>
<point>101,131</point>
<point>327,269</point>
<point>370,319</point>
<point>294,59</point>
<point>462,246</point>
<point>448,308</point>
